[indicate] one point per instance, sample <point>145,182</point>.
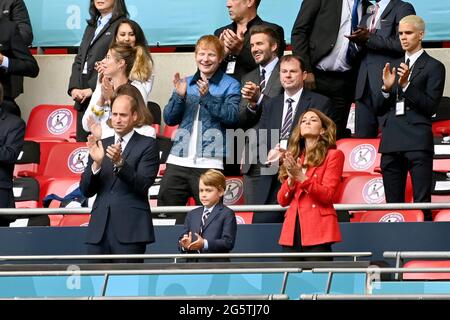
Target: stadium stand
<point>361,155</point>
<point>392,216</point>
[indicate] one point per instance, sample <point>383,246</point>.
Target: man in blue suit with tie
<point>120,171</point>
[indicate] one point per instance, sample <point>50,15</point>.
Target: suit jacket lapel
<point>302,105</point>
<point>274,78</point>
<point>419,65</point>
<point>213,215</point>
<point>106,27</point>
<point>388,9</point>
<point>130,145</point>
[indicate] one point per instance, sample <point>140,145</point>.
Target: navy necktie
<point>262,84</point>
<point>352,49</point>
<point>204,218</point>
<point>287,123</point>
<point>355,17</point>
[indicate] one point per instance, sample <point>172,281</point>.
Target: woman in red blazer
<point>310,175</point>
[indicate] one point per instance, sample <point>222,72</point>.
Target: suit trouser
<point>298,247</point>
<point>81,134</point>
<point>339,87</point>
<point>271,198</point>
<point>111,245</point>
<point>395,167</point>
<point>366,119</point>
<point>178,184</point>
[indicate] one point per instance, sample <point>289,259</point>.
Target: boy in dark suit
<point>212,227</point>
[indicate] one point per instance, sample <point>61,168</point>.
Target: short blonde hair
<point>415,20</point>
<point>214,178</point>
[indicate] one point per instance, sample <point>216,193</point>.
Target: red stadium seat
<point>365,188</point>
<point>244,217</point>
<point>61,187</point>
<point>442,215</point>
<point>51,123</point>
<point>427,275</point>
<point>441,128</point>
<point>361,155</point>
<point>234,193</point>
<point>35,169</point>
<point>169,131</point>
<point>392,216</point>
<point>75,220</point>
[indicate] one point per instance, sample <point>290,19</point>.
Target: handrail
<point>205,297</point>
<point>148,272</point>
<point>254,208</point>
<point>416,254</point>
<point>188,256</point>
<point>374,297</point>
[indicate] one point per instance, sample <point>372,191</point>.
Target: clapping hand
<point>276,154</point>
<point>96,151</point>
<point>197,244</point>
<point>180,84</point>
<point>186,241</point>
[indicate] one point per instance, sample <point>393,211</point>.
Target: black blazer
<point>271,119</point>
<point>244,61</point>
<point>316,29</point>
<point>16,11</point>
<point>383,46</point>
<point>123,197</point>
<point>12,132</point>
<point>21,62</point>
<point>91,53</point>
<point>412,131</point>
<point>220,228</point>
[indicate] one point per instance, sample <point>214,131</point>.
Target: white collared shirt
<point>336,60</point>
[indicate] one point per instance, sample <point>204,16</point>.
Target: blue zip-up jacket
<point>219,110</point>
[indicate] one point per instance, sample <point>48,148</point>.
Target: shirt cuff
<point>5,63</point>
<point>205,244</point>
<point>96,171</point>
<point>249,108</point>
<point>386,95</point>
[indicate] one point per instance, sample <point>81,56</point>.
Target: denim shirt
<point>218,110</point>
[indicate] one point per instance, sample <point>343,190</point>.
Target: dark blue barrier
<point>373,237</point>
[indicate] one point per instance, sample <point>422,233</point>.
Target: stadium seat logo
<point>240,220</point>
<point>393,217</point>
<point>233,192</point>
<point>59,121</point>
<point>77,160</point>
<point>373,191</point>
<point>363,157</point>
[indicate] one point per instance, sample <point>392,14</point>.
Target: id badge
<point>231,66</point>
<point>283,144</point>
<point>400,108</point>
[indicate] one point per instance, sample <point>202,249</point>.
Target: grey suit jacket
<point>250,119</point>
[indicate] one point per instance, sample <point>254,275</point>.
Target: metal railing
<point>399,256</point>
<point>176,257</point>
<point>372,274</point>
<point>375,297</point>
<point>254,208</point>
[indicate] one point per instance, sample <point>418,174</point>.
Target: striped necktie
<point>204,218</point>
<point>287,123</point>
<point>262,83</point>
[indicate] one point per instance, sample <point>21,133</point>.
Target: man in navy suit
<point>120,171</point>
<point>212,227</point>
<point>12,132</point>
<point>409,97</point>
<point>378,41</point>
<point>279,117</point>
<point>318,36</point>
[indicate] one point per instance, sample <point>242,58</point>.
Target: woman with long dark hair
<point>105,16</point>
<point>310,175</point>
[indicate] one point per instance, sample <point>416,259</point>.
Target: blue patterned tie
<point>352,49</point>
<point>204,218</point>
<point>287,123</point>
